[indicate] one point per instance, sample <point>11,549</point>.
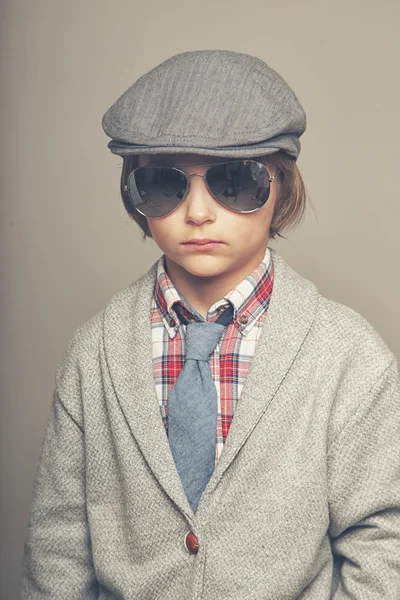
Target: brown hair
<point>289,207</point>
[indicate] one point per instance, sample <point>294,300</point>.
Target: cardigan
<point>303,504</point>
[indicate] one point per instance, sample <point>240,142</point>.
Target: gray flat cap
<point>212,102</point>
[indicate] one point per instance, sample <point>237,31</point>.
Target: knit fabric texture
<point>303,504</point>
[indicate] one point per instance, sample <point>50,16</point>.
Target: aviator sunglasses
<point>240,185</point>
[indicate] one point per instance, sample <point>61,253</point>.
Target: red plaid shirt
<point>231,359</point>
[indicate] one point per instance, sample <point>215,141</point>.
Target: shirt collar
<point>250,298</point>
<point>166,296</point>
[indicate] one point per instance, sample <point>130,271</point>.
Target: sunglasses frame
<point>188,178</point>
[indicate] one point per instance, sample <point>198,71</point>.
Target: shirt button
<point>243,320</point>
<point>221,309</point>
<point>191,543</point>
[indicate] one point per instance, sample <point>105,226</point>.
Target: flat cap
<point>214,102</point>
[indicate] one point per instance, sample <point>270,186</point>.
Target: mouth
<point>202,244</point>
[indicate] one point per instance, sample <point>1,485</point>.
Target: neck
<point>203,292</point>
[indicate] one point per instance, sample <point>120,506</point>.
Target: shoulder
<point>355,356</point>
<point>360,372</point>
<point>349,331</point>
<point>345,358</point>
<point>343,350</point>
<point>334,325</point>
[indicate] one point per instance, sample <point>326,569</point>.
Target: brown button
<point>243,319</point>
<point>221,309</point>
<point>191,543</point>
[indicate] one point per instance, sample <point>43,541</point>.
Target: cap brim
<point>289,144</point>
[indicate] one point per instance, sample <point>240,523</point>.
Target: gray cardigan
<point>304,503</point>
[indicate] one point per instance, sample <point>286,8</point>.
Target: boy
<point>220,430</point>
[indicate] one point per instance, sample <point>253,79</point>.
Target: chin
<point>204,268</point>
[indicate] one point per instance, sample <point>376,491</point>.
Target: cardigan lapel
<point>127,342</point>
<point>290,315</point>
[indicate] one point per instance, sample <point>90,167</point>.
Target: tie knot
<point>201,339</point>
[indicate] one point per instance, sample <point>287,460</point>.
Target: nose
<point>200,206</point>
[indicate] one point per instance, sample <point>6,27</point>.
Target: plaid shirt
<point>230,362</point>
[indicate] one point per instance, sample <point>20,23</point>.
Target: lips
<point>202,242</point>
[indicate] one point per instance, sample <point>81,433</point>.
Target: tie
<point>192,409</point>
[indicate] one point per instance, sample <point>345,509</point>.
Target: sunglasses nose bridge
<point>189,177</point>
<point>204,177</point>
<point>195,175</point>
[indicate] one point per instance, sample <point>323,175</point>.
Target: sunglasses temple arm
<point>271,179</point>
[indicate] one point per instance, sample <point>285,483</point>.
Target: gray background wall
<point>66,243</point>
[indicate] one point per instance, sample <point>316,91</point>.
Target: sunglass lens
<point>241,185</point>
<point>156,191</point>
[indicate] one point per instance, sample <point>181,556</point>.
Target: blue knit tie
<point>192,409</point>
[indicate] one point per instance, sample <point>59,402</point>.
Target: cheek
<point>255,226</point>
<point>162,230</point>
<point>265,215</point>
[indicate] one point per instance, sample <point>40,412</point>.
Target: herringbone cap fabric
<point>214,102</point>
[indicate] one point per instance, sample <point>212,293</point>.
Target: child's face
<point>239,240</point>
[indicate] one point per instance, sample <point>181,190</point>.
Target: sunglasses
<point>240,185</point>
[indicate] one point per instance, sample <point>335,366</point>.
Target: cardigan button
<point>191,543</point>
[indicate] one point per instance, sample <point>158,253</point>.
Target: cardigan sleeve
<point>364,496</point>
<point>57,560</point>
